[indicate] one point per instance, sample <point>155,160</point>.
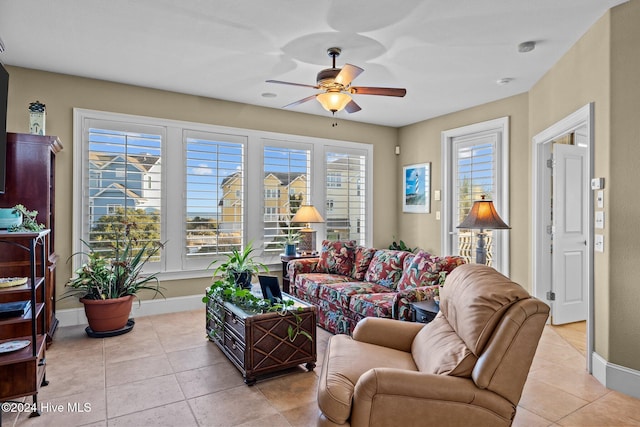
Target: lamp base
<point>307,243</point>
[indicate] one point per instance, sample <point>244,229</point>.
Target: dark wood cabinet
<point>22,336</point>
<point>30,181</point>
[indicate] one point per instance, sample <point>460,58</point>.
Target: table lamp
<point>307,214</point>
<point>483,216</point>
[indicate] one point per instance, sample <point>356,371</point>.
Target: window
<point>334,179</point>
<point>118,161</point>
<point>329,205</point>
<point>475,159</point>
<point>346,204</point>
<point>205,190</point>
<point>286,166</point>
<point>214,193</point>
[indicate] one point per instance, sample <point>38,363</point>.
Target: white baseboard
<point>616,377</point>
<point>75,316</point>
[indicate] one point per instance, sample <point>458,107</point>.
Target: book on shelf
<point>13,309</point>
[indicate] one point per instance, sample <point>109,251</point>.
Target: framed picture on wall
<point>416,188</point>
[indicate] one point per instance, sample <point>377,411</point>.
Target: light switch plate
<point>599,219</point>
<point>599,243</point>
<point>600,198</point>
<point>436,195</point>
<point>437,215</point>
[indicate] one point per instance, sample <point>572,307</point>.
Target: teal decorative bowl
<point>9,218</point>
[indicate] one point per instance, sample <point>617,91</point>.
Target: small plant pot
<point>243,279</point>
<point>109,314</point>
<point>290,249</point>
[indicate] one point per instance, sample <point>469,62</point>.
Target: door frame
<point>540,263</point>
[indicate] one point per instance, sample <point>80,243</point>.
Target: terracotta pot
<point>109,314</point>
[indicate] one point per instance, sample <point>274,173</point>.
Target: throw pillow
<point>386,267</point>
<point>422,271</point>
<point>337,257</point>
<point>363,257</point>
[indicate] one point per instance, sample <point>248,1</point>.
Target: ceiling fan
<point>335,84</point>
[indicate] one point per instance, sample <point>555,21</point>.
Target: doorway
<point>562,261</point>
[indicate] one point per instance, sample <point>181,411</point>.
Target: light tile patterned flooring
<point>165,373</point>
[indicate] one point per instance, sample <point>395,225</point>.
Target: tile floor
<point>165,373</point>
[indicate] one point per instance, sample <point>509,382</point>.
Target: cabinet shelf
<point>24,354</point>
<point>6,293</point>
<point>27,317</point>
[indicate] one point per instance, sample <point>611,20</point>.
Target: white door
<point>570,231</point>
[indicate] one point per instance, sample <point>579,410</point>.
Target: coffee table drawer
<point>235,322</point>
<point>235,347</point>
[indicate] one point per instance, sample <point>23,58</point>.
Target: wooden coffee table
<point>259,344</point>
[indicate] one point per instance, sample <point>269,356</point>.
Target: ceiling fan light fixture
<point>333,101</point>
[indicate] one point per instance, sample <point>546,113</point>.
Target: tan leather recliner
<point>465,368</point>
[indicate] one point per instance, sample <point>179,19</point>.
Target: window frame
<point>173,264</point>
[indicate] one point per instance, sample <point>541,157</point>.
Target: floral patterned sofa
<point>348,282</point>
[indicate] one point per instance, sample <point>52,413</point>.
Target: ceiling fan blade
<point>293,104</point>
<point>292,84</point>
<point>347,74</point>
<point>386,91</point>
<point>352,107</point>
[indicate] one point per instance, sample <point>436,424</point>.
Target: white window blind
<point>346,181</point>
<point>214,193</point>
<point>124,184</point>
<point>286,175</point>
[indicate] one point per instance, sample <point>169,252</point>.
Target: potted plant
<point>225,289</point>
<point>290,241</point>
<point>108,281</point>
<point>241,266</point>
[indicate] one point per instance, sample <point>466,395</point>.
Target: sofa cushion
<point>473,300</point>
<point>337,257</point>
<point>363,257</point>
<point>386,267</point>
<point>373,305</point>
<point>437,349</point>
<point>423,270</point>
<point>308,284</point>
<point>340,293</point>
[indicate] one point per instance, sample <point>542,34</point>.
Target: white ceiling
<point>448,54</point>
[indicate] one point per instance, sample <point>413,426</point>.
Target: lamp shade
<point>333,101</point>
<point>308,214</point>
<point>483,215</point>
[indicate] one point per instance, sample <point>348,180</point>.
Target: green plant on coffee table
<point>29,222</point>
<point>240,265</point>
<point>225,289</point>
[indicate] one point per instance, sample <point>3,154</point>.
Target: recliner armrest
<point>384,395</point>
<point>387,332</point>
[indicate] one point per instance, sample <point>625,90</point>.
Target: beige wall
<point>420,142</point>
<point>580,77</point>
<point>62,93</point>
<point>623,243</point>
